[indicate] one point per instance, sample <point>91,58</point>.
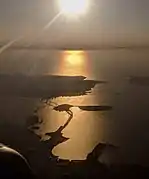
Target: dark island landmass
<point>46,86</point>
<point>139,80</point>
<point>39,152</point>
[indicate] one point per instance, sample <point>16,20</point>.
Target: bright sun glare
<point>73,7</point>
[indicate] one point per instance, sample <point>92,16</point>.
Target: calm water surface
<point>126,126</point>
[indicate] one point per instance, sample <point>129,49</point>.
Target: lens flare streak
<point>9,44</point>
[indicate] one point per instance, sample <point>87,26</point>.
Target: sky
<point>107,21</point>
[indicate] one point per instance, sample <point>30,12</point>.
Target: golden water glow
<point>75,57</point>
<point>74,62</point>
<point>81,129</point>
<point>85,129</point>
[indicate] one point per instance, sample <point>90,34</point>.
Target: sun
<point>73,7</point>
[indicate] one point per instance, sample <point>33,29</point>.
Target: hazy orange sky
<point>108,21</point>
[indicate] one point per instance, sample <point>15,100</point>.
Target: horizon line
<point>75,47</point>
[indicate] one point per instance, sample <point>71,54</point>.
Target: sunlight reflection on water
<point>82,129</point>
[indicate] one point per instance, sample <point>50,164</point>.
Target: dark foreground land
<point>38,152</point>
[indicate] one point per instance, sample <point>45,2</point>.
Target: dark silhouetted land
<point>45,86</point>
